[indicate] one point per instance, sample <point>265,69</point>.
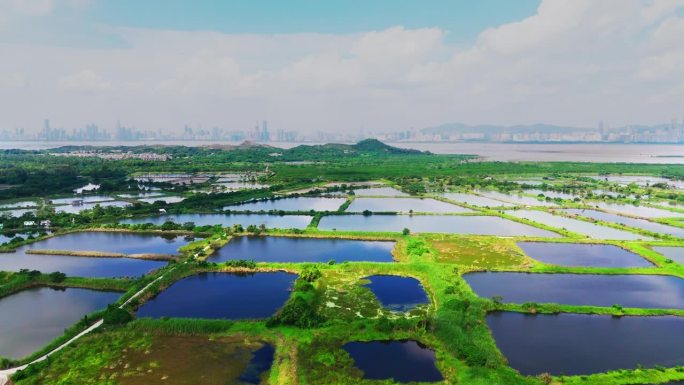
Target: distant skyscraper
<point>265,136</point>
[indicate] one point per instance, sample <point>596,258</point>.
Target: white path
<point>5,374</point>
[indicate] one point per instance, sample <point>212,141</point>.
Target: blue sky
<point>464,19</point>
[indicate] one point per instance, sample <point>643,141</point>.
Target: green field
<point>329,304</point>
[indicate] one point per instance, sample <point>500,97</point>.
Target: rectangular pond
<point>637,211</point>
<point>233,186</point>
<point>404,205</point>
<point>166,199</point>
<point>16,212</point>
<point>141,195</point>
<point>85,199</point>
<point>295,249</point>
<point>476,225</point>
<point>641,180</point>
<point>674,253</point>
<point>227,220</point>
<point>628,221</point>
<point>518,199</point>
<point>476,200</point>
<point>380,192</point>
<point>115,242</point>
<point>644,291</point>
<point>32,318</point>
<point>583,254</point>
<point>77,266</point>
<point>89,206</point>
<point>591,230</point>
<point>290,204</point>
<point>400,361</point>
<point>222,296</point>
<point>575,344</point>
<point>551,194</point>
<point>18,205</point>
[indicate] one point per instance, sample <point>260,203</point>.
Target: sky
<point>340,65</point>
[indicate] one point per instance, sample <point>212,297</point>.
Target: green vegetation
<point>329,304</point>
<point>478,252</point>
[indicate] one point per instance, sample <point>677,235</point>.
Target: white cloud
<point>85,80</point>
<point>574,62</point>
<point>13,80</point>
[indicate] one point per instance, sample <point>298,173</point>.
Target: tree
<point>57,277</point>
<point>406,231</point>
<point>310,274</point>
<point>169,225</point>
<point>116,316</point>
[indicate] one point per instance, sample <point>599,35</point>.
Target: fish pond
<point>19,204</point>
<point>674,253</point>
<point>591,230</point>
<point>551,194</point>
<point>405,205</point>
<point>32,318</point>
<point>295,249</point>
<point>222,296</point>
<point>476,200</point>
<point>575,344</point>
<point>16,212</point>
<point>115,242</point>
<point>582,254</point>
<point>517,199</point>
<point>639,291</point>
<point>227,220</point>
<point>380,192</point>
<point>397,293</point>
<point>84,199</point>
<point>290,204</point>
<point>166,199</point>
<point>627,221</point>
<point>70,209</point>
<point>637,211</point>
<point>402,361</point>
<point>84,266</point>
<point>476,225</point>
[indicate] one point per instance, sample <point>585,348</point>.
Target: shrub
<point>310,274</point>
<point>57,277</point>
<point>297,312</point>
<point>116,316</point>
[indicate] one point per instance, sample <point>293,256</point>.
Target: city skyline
<point>340,66</point>
<point>672,132</point>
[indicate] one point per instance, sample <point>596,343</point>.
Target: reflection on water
<point>402,361</point>
<point>480,225</point>
<point>32,318</point>
<point>582,254</point>
<point>225,220</point>
<point>645,291</point>
<point>573,344</point>
<point>293,249</point>
<point>222,296</point>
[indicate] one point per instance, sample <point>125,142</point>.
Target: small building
<point>46,223</point>
<point>29,223</point>
<point>162,210</point>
